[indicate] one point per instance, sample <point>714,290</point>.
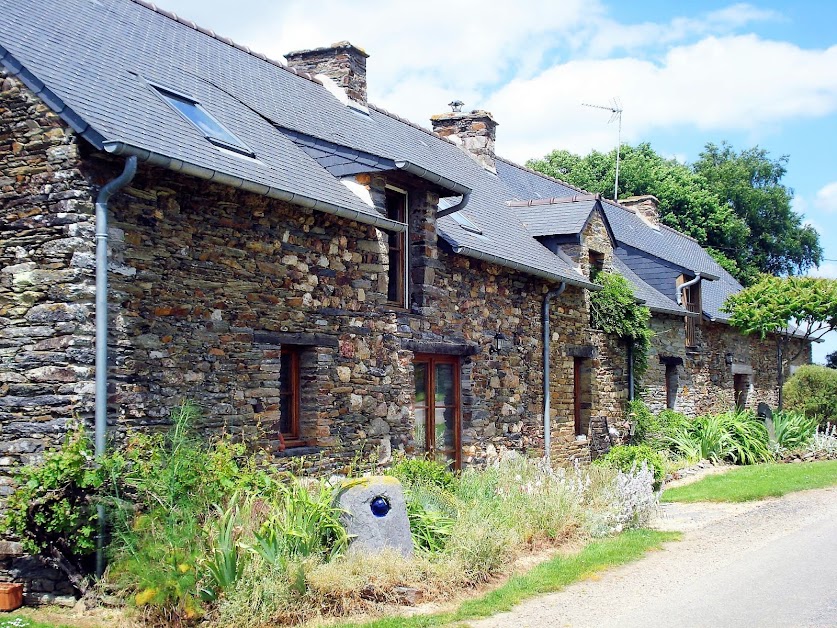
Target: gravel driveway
<point>768,563</point>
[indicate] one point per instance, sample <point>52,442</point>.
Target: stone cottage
<point>323,277</point>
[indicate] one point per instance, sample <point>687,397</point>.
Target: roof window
<point>212,130</point>
<point>466,223</point>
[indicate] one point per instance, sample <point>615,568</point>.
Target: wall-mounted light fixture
<point>502,342</point>
<point>728,359</point>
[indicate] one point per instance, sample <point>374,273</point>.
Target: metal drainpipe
<point>108,190</point>
<point>547,421</point>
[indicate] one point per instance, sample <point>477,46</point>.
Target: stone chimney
<point>646,206</point>
<point>473,132</point>
<point>342,62</point>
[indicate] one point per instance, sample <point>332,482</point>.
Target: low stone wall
<point>42,584</point>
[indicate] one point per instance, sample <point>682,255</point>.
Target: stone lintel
<point>440,348</point>
<point>283,338</point>
<point>671,360</point>
<point>581,351</point>
<point>742,369</point>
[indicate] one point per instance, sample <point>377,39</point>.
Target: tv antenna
<point>616,114</point>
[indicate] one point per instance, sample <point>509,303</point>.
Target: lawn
<point>756,482</point>
<point>547,577</point>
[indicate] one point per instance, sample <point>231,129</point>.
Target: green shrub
<point>432,514</point>
<point>410,471</point>
<point>736,437</point>
<point>793,430</point>
<point>53,510</point>
<point>812,390</point>
<point>626,458</point>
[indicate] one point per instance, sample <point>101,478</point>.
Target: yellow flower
<point>183,568</point>
<point>144,597</point>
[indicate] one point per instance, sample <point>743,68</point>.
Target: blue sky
<point>686,73</point>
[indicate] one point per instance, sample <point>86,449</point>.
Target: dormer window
<point>203,121</point>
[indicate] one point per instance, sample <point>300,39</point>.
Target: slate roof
<point>629,229</point>
<point>94,61</point>
<point>565,218</point>
<point>656,301</point>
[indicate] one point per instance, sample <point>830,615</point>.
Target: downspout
<point>547,421</point>
<point>680,288</point>
<point>108,190</point>
<point>455,208</point>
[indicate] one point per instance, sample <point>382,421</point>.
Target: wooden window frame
<point>397,248</point>
<point>291,438</point>
<point>431,360</point>
<point>691,296</point>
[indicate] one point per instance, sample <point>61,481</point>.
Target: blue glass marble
<point>380,506</point>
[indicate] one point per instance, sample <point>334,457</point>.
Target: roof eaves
<point>157,159</point>
<point>51,99</point>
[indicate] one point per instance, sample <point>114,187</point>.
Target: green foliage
<point>831,360</point>
<point>304,523</point>
<point>642,420</point>
<point>750,183</point>
<point>432,514</point>
<point>54,506</point>
<point>812,390</point>
<point>775,304</point>
<point>411,471</point>
<point>736,437</point>
<point>793,430</point>
<point>615,310</point>
<point>626,458</point>
<point>732,203</point>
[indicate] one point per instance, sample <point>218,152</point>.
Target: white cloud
<point>827,270</point>
<point>826,198</point>
<point>718,83</point>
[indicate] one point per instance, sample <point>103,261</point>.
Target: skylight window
<point>466,223</point>
<point>212,130</point>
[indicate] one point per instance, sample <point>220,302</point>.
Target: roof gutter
<point>177,165</point>
<point>524,268</point>
<point>432,177</point>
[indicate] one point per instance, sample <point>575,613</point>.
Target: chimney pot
<point>473,132</point>
<point>342,62</point>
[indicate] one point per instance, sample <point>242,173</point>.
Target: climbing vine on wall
<point>614,310</point>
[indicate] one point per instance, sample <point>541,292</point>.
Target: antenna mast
<point>616,114</point>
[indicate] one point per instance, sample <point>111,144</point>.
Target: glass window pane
<point>205,123</point>
<point>445,392</point>
<point>285,373</point>
<point>420,415</point>
<point>421,383</point>
<point>445,445</point>
<point>285,426</point>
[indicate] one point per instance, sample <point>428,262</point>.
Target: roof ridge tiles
<point>398,118</point>
<point>225,40</point>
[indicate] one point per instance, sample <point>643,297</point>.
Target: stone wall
<point>704,380</point>
<point>46,279</point>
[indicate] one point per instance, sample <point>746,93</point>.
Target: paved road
<point>771,563</point>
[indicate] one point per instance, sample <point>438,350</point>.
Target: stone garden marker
<point>375,514</point>
<point>766,414</point>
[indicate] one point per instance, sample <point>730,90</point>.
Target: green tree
<point>750,182</point>
<point>789,308</point>
<point>831,360</point>
<point>732,203</point>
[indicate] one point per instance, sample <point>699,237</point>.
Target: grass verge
<point>16,620</point>
<point>756,482</point>
<point>544,578</point>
